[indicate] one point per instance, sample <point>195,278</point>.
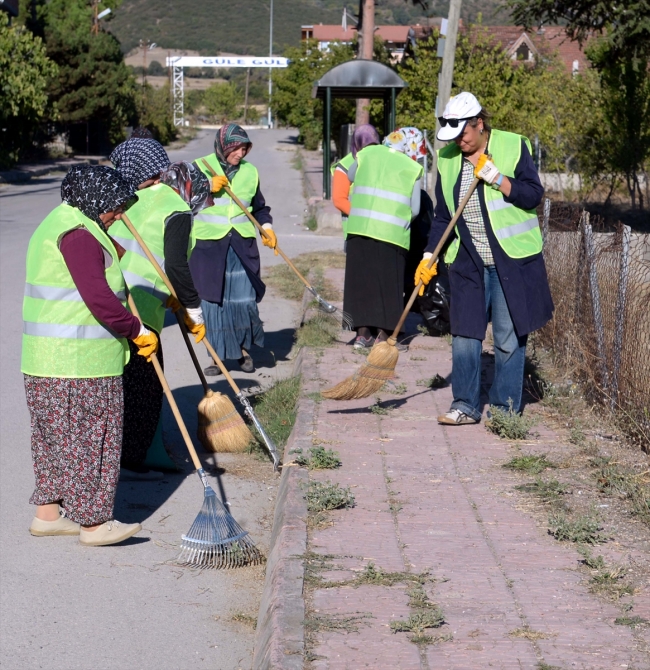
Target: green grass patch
<point>310,222</point>
<point>550,491</point>
<point>529,463</point>
<point>418,622</point>
<point>326,496</point>
<point>276,409</point>
<point>395,389</point>
<point>318,458</point>
<point>633,487</point>
<point>284,280</point>
<point>348,623</point>
<point>605,580</point>
<point>319,331</point>
<point>582,529</point>
<point>631,621</point>
<point>435,382</point>
<point>508,424</point>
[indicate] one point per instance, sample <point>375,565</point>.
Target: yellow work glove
<point>147,343</point>
<point>425,274</point>
<point>194,322</point>
<point>173,304</point>
<point>271,241</point>
<point>218,182</point>
<point>486,170</point>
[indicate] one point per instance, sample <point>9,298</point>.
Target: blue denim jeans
<point>509,357</point>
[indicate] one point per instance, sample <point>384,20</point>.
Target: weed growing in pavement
<point>528,634</point>
<point>310,222</point>
<point>548,491</point>
<point>633,487</point>
<point>632,621</point>
<point>315,396</point>
<point>276,409</point>
<point>435,382</point>
<point>605,580</point>
<point>247,619</point>
<point>545,666</point>
<point>418,622</point>
<point>577,436</point>
<point>529,463</point>
<point>319,331</point>
<point>286,283</point>
<point>319,458</point>
<point>582,529</point>
<point>418,358</point>
<point>508,424</point>
<point>349,623</point>
<point>395,389</point>
<point>380,407</point>
<point>326,496</point>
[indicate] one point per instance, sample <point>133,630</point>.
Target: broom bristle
<point>221,428</point>
<point>378,368</point>
<point>216,540</point>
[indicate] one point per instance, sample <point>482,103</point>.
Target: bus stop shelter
<point>352,80</point>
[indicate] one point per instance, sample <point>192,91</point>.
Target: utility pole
<point>95,29</point>
<point>445,80</point>
<point>248,78</point>
<point>366,34</point>
<point>270,70</point>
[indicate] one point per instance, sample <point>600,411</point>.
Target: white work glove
<point>195,314</point>
<point>143,330</point>
<point>486,170</point>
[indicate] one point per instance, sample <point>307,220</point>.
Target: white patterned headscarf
<point>408,140</point>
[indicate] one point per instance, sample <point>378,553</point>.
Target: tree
<point>93,83</point>
<point>24,72</point>
<point>223,101</point>
<point>155,113</point>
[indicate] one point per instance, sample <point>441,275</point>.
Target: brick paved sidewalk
<point>434,498</point>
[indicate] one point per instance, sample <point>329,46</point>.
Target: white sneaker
<point>110,532</point>
<point>455,417</point>
<point>62,526</point>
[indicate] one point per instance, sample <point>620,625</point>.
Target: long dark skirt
<point>234,323</point>
<point>143,399</point>
<point>374,282</point>
<point>76,440</point>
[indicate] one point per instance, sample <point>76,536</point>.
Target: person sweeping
<point>75,332</point>
<point>496,267</point>
<point>164,221</point>
<point>385,198</point>
<point>225,263</point>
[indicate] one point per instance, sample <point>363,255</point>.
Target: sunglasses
<point>453,123</point>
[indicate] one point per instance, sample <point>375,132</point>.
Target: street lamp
<point>270,56</point>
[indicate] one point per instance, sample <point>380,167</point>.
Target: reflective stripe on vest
<point>149,216</point>
<point>517,230</point>
<point>61,337</point>
<point>381,199</point>
<point>216,221</point>
<point>345,163</point>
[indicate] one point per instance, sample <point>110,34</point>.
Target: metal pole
<point>393,115</point>
<point>426,164</point>
<point>445,81</point>
<point>619,326</point>
<point>270,69</point>
<point>248,77</point>
<point>326,142</point>
<point>545,219</point>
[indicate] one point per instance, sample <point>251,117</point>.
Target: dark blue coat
<point>524,280</point>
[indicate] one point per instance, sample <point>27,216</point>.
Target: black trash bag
<point>434,304</point>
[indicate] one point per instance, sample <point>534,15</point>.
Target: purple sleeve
<point>84,256</point>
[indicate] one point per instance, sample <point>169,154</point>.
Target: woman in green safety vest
<point>225,263</point>
<point>75,332</point>
<point>496,267</point>
<point>385,198</point>
<point>164,221</point>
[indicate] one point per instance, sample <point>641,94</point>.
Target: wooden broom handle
<point>256,223</point>
<point>434,257</point>
<point>170,397</point>
<point>170,288</point>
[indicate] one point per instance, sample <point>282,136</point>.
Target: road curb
<point>279,637</point>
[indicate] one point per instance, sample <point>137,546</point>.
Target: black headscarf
<point>190,183</point>
<point>95,190</point>
<point>139,159</point>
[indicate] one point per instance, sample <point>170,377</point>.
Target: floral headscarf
<point>229,138</point>
<point>139,159</point>
<point>95,190</point>
<point>363,136</point>
<point>190,183</point>
<point>409,141</point>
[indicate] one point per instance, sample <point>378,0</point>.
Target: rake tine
<point>270,445</point>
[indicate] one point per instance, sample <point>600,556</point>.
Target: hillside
<point>242,26</point>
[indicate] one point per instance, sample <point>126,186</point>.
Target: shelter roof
<point>359,79</point>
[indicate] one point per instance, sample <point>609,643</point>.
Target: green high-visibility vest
<point>517,230</point>
<point>213,223</point>
<point>381,200</point>
<point>345,163</point>
<point>61,338</point>
<point>149,217</point>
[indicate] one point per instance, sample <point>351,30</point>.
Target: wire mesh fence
<point>600,331</point>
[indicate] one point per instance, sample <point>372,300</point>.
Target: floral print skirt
<point>76,429</point>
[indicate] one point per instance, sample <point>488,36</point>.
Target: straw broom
<point>220,426</point>
<point>382,359</point>
<point>245,402</point>
<point>215,539</point>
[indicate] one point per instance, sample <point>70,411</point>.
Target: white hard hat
<point>458,111</point>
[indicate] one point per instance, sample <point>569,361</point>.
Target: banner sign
<point>227,61</point>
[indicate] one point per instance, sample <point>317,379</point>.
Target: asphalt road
<point>67,607</point>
